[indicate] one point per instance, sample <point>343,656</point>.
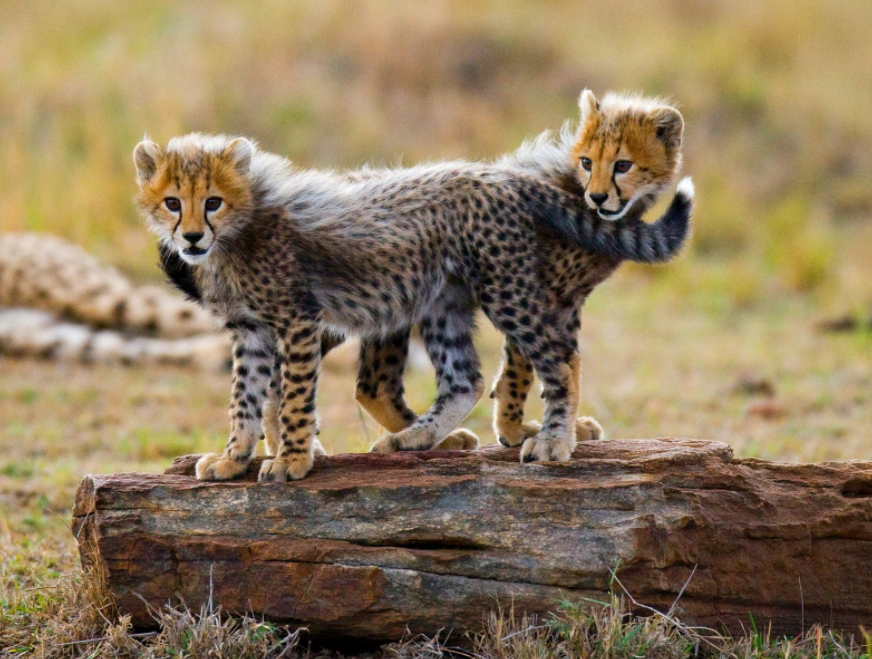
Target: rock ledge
<point>369,545</point>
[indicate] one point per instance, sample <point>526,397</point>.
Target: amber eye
<point>586,164</point>
<point>214,203</point>
<point>173,204</point>
<point>623,166</point>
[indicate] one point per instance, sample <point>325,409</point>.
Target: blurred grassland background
<point>776,96</point>
<point>722,344</point>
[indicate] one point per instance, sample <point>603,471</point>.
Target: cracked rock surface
<point>368,545</point>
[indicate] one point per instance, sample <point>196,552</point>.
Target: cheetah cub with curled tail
<point>288,257</point>
<point>625,152</point>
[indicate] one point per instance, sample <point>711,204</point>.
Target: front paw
<point>318,448</point>
<point>588,429</point>
<point>547,448</point>
<point>516,434</point>
<point>459,440</point>
<point>285,468</point>
<point>214,467</point>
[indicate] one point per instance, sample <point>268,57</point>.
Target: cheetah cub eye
<point>623,166</point>
<point>214,203</point>
<point>173,204</point>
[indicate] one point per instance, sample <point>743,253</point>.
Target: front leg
<point>273,405</point>
<point>513,384</point>
<point>299,351</point>
<point>253,349</point>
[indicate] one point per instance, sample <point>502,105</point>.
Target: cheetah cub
<point>286,257</point>
<point>625,152</point>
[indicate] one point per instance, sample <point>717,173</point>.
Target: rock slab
<point>370,545</point>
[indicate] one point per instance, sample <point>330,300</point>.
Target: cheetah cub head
<point>195,194</point>
<point>628,151</point>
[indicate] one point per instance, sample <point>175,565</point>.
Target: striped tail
<point>629,240</point>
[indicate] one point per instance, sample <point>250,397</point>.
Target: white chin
<point>611,217</point>
<point>194,259</point>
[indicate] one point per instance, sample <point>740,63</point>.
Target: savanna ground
<point>723,344</point>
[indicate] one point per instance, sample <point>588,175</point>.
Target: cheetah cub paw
<point>282,469</point>
<point>214,467</point>
<point>516,435</point>
<point>410,439</point>
<point>460,440</point>
<point>547,448</point>
<point>587,429</point>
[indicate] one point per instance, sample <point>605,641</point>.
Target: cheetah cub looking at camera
<point>288,257</point>
<point>625,152</point>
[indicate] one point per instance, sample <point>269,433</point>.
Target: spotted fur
<point>58,302</point>
<point>622,126</point>
<point>41,271</point>
<point>290,255</point>
<point>40,334</point>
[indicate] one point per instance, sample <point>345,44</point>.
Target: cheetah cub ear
<point>588,104</point>
<point>239,153</point>
<point>147,156</point>
<point>670,126</point>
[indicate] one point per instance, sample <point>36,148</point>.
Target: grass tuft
<point>60,618</point>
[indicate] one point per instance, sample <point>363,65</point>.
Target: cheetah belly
<point>378,307</point>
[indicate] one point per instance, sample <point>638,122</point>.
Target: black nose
<point>192,236</point>
<point>598,199</point>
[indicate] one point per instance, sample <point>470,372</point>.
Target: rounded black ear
<point>147,156</point>
<point>669,125</point>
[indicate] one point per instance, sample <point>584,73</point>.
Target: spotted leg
<point>513,385</point>
<point>299,350</point>
<point>273,404</point>
<point>381,393</point>
<point>447,332</point>
<point>516,304</point>
<point>510,394</point>
<point>253,349</point>
<point>380,380</point>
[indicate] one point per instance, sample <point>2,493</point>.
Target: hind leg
<point>381,393</point>
<point>510,394</point>
<point>380,381</point>
<point>447,332</point>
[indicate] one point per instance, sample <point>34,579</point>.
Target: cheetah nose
<point>192,236</point>
<point>598,199</point>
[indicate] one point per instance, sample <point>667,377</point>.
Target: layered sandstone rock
<point>368,545</point>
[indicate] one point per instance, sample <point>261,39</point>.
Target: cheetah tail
<point>632,239</point>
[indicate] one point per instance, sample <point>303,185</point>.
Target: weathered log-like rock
<point>369,544</point>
